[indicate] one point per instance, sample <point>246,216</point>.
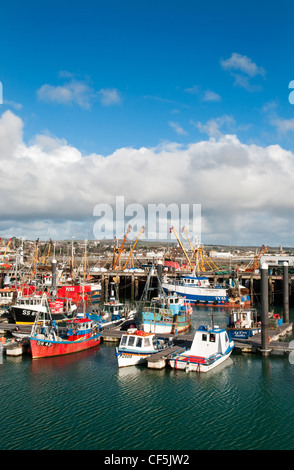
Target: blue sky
<point>107,75</point>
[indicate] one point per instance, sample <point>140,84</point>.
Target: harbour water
<point>84,402</point>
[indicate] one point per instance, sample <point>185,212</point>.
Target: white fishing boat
<point>199,291</point>
<point>210,347</point>
<point>136,345</point>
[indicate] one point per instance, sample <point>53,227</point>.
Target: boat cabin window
<point>146,342</point>
<point>212,338</point>
<point>123,341</point>
<point>131,341</point>
<point>139,343</point>
<point>204,337</point>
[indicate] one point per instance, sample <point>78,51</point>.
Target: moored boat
<point>170,314</point>
<point>210,348</point>
<point>49,339</point>
<point>199,291</point>
<point>112,313</point>
<point>243,323</point>
<point>136,345</point>
<point>25,309</point>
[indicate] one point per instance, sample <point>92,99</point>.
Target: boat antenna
<point>212,321</point>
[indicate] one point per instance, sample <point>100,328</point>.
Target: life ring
<point>198,283</point>
<point>269,340</point>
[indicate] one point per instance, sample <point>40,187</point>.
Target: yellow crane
<point>181,245</point>
<point>45,258</point>
<point>200,256</point>
<point>133,247</point>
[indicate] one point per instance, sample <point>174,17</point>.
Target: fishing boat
<point>112,313</point>
<point>168,314</point>
<point>199,291</point>
<point>26,308</point>
<point>211,346</point>
<point>136,345</point>
<point>243,323</point>
<point>49,338</point>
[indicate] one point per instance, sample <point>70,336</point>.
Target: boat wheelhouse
<point>8,295</point>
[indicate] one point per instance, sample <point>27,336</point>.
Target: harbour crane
<point>253,265</point>
<point>10,240</point>
<point>200,256</point>
<point>121,248</point>
<point>172,229</point>
<point>133,247</point>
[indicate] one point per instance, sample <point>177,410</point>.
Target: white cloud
<point>72,92</point>
<point>50,187</point>
<point>243,69</point>
<point>243,64</point>
<point>109,96</point>
<point>214,127</point>
<point>177,128</point>
<point>210,95</point>
<point>205,95</point>
<point>78,92</point>
<point>283,125</point>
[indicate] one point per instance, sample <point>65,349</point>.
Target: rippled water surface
<point>84,401</point>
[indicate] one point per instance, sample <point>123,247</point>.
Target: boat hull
<point>205,296</point>
<point>50,348</point>
<point>126,359</point>
<point>197,364</point>
<point>236,333</point>
<point>27,316</point>
<point>160,327</point>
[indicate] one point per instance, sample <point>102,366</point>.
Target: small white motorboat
<point>210,347</point>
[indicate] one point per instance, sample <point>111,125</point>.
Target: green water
<point>84,402</point>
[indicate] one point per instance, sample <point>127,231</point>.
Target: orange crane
<point>6,249</point>
<point>133,247</point>
<point>256,261</point>
<point>121,248</point>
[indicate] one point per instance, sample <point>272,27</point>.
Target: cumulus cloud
<point>78,92</point>
<point>50,186</point>
<point>72,92</point>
